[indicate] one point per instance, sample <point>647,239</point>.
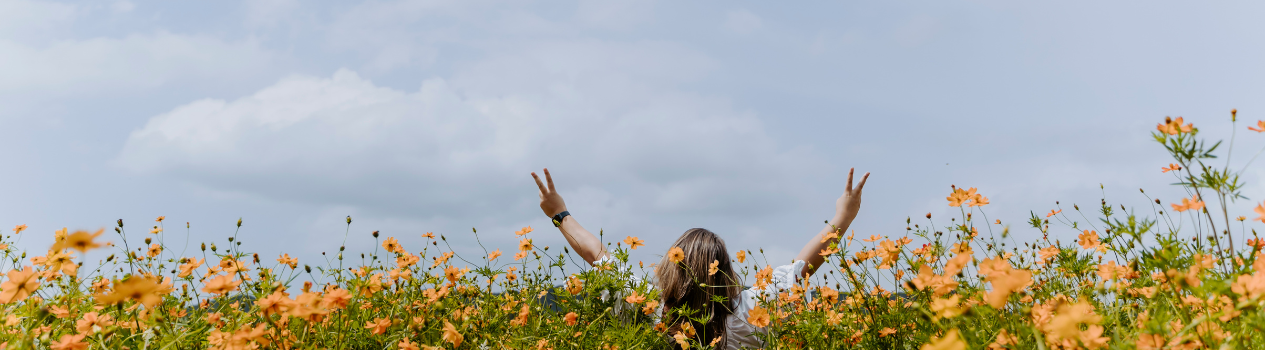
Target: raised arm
<point>581,240</point>
<point>845,210</point>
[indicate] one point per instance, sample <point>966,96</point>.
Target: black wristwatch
<point>557,219</point>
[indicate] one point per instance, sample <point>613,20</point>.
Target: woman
<point>676,281</point>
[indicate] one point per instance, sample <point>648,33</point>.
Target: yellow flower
<point>675,254</point>
<point>633,242</point>
<point>758,317</point>
<point>19,228</point>
<point>715,266</point>
<point>742,256</point>
<point>950,341</point>
<point>156,230</point>
<point>524,245</point>
<point>160,218</point>
<point>154,250</point>
<point>19,285</point>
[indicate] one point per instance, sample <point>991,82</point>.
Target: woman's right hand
<point>550,201</point>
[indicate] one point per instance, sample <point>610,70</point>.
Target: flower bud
<point>375,234</point>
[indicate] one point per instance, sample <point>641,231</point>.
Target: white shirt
<point>740,334</point>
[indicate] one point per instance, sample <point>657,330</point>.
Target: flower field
<point>1178,273</point>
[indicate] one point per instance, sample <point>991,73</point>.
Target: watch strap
<point>557,219</point>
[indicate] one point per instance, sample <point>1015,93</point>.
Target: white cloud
<point>122,6</point>
<point>601,115</point>
<point>34,20</point>
<point>134,61</point>
<point>742,21</point>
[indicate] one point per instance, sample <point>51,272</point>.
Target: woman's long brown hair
<point>682,285</point>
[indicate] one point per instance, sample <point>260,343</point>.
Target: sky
<point>742,117</point>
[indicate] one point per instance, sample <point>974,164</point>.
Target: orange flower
<point>978,201</point>
<point>575,285</point>
<point>715,266</point>
<point>946,307</point>
<point>523,231</point>
<point>1047,253</point>
<point>1171,167</point>
<point>93,322</point>
<point>635,298</point>
<point>1174,126</point>
<point>160,218</point>
<point>571,318</point>
<point>451,335</point>
<point>958,197</point>
<point>650,307</point>
<point>1260,210</point>
<point>155,230</point>
<point>675,254</point>
<point>70,342</point>
<point>221,285</point>
<point>154,250</point>
<point>633,242</point>
<point>520,255</point>
<point>524,245</point>
<point>758,317</point>
<point>886,331</point>
<point>80,240</point>
<point>379,325</point>
<point>145,290</point>
<point>19,285</point>
<point>1189,204</point>
<point>406,344</point>
<point>187,268</point>
<point>1089,240</point>
<point>285,259</point>
<point>1260,126</point>
<point>950,341</point>
<point>429,235</point>
<point>19,228</point>
<point>392,245</point>
<point>453,273</point>
<point>742,254</point>
<point>1053,212</point>
<point>872,238</point>
<point>276,303</point>
<point>494,254</point>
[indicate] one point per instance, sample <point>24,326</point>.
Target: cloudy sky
<point>654,116</point>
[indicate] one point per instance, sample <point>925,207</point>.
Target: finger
<point>549,179</point>
<point>862,183</point>
<point>538,183</point>
<point>849,188</point>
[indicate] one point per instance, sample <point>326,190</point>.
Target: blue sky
<point>741,117</point>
